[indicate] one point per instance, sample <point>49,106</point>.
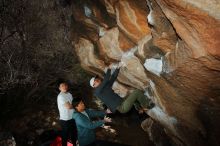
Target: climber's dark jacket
<point>105,93</point>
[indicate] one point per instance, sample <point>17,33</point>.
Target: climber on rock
<point>85,126</point>
<point>104,91</point>
<point>64,102</point>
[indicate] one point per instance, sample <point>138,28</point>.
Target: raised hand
<point>107,120</point>
<point>108,111</point>
<point>121,64</point>
<point>110,129</point>
<point>106,127</point>
<point>111,65</point>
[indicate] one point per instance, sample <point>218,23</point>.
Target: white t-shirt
<point>65,114</point>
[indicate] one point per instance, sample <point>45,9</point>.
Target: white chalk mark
<point>154,65</point>
<point>88,11</point>
<point>101,31</point>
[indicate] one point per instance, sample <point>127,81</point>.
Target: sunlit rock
<point>142,46</point>
<point>89,61</point>
<point>154,65</point>
<point>113,43</point>
<point>171,51</point>
<point>109,4</point>
<point>131,18</point>
<point>164,36</point>
<point>121,90</point>
<point>133,73</point>
<point>195,24</point>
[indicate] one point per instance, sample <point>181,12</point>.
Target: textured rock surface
<point>131,18</point>
<point>183,34</point>
<point>156,132</point>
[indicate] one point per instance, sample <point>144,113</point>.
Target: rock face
<point>181,36</point>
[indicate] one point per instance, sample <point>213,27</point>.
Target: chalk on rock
<point>154,65</point>
<point>88,11</point>
<point>150,18</point>
<point>129,54</point>
<point>102,31</point>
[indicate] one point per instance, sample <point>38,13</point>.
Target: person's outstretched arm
<point>114,76</point>
<point>95,113</point>
<point>106,79</point>
<point>107,74</point>
<point>84,121</point>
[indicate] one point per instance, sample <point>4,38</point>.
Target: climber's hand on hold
<point>116,65</point>
<point>121,64</point>
<point>110,66</point>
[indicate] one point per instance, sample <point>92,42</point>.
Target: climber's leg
<point>131,100</point>
<point>137,105</point>
<point>136,95</point>
<point>128,103</point>
<point>143,100</point>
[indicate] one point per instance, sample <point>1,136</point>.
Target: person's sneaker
<point>151,105</point>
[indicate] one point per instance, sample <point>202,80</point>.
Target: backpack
<point>52,138</point>
<point>58,142</point>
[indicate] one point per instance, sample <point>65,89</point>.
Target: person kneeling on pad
<point>85,126</point>
<point>104,91</point>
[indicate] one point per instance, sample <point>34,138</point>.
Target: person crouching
<point>85,126</point>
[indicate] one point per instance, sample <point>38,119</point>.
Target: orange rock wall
<point>182,35</point>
